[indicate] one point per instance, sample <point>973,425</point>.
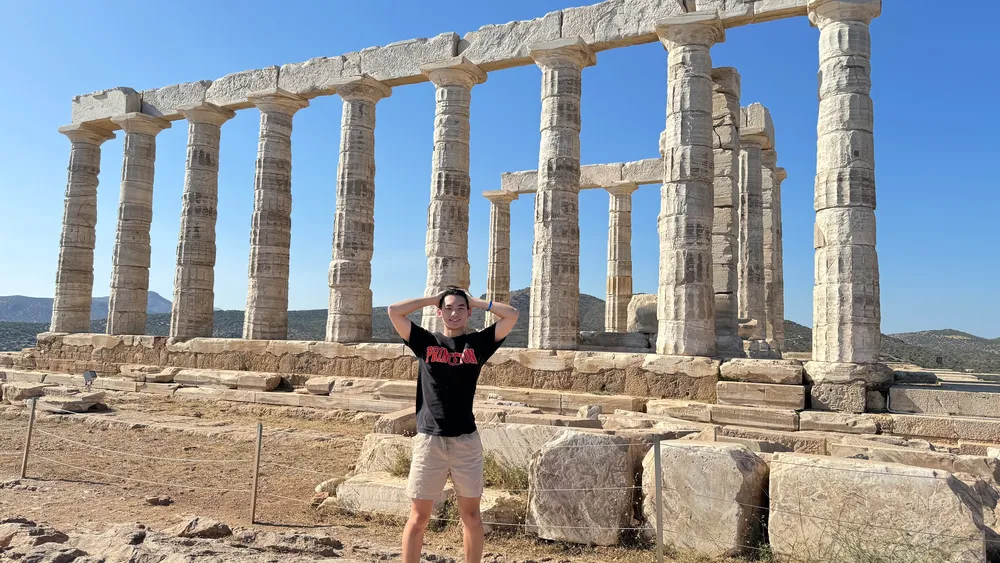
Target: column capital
<point>780,174</point>
<point>694,28</point>
<point>756,126</point>
<point>822,12</point>
<point>768,158</point>
<point>622,189</point>
<point>141,123</point>
<point>277,100</point>
<point>572,51</point>
<point>206,113</point>
<point>456,71</point>
<point>86,133</point>
<point>500,196</point>
<point>363,88</point>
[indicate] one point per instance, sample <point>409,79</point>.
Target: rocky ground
<point>85,498</point>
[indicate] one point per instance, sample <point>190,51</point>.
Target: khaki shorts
<point>435,457</point>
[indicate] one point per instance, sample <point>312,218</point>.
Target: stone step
<point>954,400</point>
<point>786,372</point>
<point>946,427</point>
<point>759,417</point>
<point>550,401</point>
<point>761,394</point>
<point>776,440</point>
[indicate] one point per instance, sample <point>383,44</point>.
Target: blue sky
<point>936,121</point>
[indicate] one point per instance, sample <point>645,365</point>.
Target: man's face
<point>454,312</point>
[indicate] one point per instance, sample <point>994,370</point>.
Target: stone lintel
<point>276,99</point>
<point>823,11</point>
<point>697,28</point>
<point>99,107</point>
<point>206,113</point>
<point>571,50</point>
<point>166,102</point>
<point>141,123</point>
<point>87,132</point>
<point>592,176</point>
<point>454,71</point>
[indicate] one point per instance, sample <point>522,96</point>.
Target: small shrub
<point>500,475</point>
<point>400,466</point>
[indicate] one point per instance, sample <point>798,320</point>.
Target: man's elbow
<point>392,310</point>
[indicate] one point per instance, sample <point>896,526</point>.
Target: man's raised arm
<point>399,311</point>
<point>507,314</point>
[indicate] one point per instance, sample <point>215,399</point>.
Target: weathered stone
<point>937,401</point>
<point>167,102</point>
<point>614,339</point>
<point>381,493</point>
<point>980,466</point>
<point>400,63</point>
<point>617,23</point>
<point>876,508</point>
<point>553,420</point>
<point>318,76</point>
<point>726,201</point>
<point>593,463</point>
<point>844,387</point>
<point>838,422</point>
<point>619,282</point>
<point>751,238</point>
<point>200,527</point>
<point>320,385</point>
<point>232,91</point>
<point>100,107</point>
<point>801,442</point>
<point>501,511</point>
<point>699,412</point>
<point>400,422</point>
<point>716,491</point>
<point>514,444</point>
<point>761,394</point>
<point>498,261</point>
<point>380,452</point>
<point>906,377</point>
<point>787,372</point>
<point>76,402</point>
<point>15,393</point>
<point>589,411</point>
<point>230,379</point>
<point>642,314</point>
<point>951,427</point>
<point>774,419</point>
<point>494,47</point>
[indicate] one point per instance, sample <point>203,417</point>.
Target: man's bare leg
<point>472,528</point>
<point>416,525</point>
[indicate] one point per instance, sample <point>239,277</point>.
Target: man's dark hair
<point>453,291</point>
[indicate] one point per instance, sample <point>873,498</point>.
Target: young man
<point>447,440</point>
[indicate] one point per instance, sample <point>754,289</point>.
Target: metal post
<point>659,501</point>
<point>256,473</point>
<point>27,439</point>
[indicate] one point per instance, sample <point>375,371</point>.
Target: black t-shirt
<point>446,383</point>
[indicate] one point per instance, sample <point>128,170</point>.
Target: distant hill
<point>21,309</point>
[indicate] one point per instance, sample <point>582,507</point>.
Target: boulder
<point>320,385</point>
<point>381,493</point>
<point>17,393</point>
<point>514,444</point>
<point>399,422</point>
<point>833,509</point>
<point>78,402</point>
<point>200,527</point>
<point>642,314</point>
<point>713,497</point>
<point>581,489</point>
<point>380,452</point>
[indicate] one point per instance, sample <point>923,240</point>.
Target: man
<point>447,440</point>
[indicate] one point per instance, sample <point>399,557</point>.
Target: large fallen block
<point>713,497</point>
<point>787,372</point>
<point>774,419</point>
<point>938,401</point>
<point>514,444</point>
<point>826,421</point>
<point>381,493</point>
<point>383,452</point>
<point>776,440</point>
<point>853,510</point>
<point>399,422</point>
<point>980,466</point>
<point>16,393</point>
<point>951,427</point>
<point>761,394</point>
<point>581,489</point>
<point>686,410</point>
<point>75,402</point>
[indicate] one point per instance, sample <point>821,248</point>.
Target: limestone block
<point>980,449</point>
<point>524,182</point>
<point>787,372</point>
<point>767,10</point>
<point>875,507</point>
<point>76,402</point>
<point>648,171</point>
<point>231,90</point>
<point>951,427</point>
<point>600,175</point>
<point>356,386</point>
<point>258,381</point>
<point>907,377</point>
<point>614,339</point>
<point>840,397</point>
<point>501,511</point>
<point>318,76</point>
<point>279,399</point>
<point>761,394</point>
<point>115,384</point>
<point>399,63</point>
<point>382,493</point>
<point>598,466</point>
<point>157,388</point>
<point>514,444</point>
<point>922,400</point>
<point>589,411</point>
<point>165,102</point>
<point>690,366</point>
<point>713,497</point>
<point>553,420</point>
<point>320,385</point>
<point>495,47</point>
<point>399,422</point>
<point>617,23</point>
<point>642,313</point>
<point>774,419</point>
<point>980,466</point>
<point>838,422</point>
<point>380,452</point>
<point>101,106</point>
<point>777,440</point>
<point>229,379</point>
<point>64,379</point>
<point>756,125</point>
<point>15,393</point>
<point>685,410</point>
<point>17,376</point>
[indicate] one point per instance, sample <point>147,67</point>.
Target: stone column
<point>448,213</point>
<point>350,309</point>
<point>193,313</point>
<point>130,264</point>
<point>271,229</point>
<point>846,309</point>
<point>770,221</point>
<point>619,290</point>
<point>725,245</point>
<point>779,264</point>
<point>554,321</point>
<point>75,272</point>
<point>686,297</point>
<point>756,135</point>
<point>498,264</point>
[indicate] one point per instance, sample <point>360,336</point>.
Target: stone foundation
<point>645,375</point>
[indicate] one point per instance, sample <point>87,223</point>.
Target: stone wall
<point>648,375</point>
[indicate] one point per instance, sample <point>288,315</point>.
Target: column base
<point>847,387</point>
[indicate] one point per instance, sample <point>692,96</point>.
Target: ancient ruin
<point>700,368</point>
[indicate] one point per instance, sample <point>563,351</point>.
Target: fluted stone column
<point>193,311</point>
<point>846,312</point>
<point>554,321</point>
<point>498,260</point>
<point>686,297</point>
<point>350,315</point>
<point>770,221</point>
<point>130,264</point>
<point>779,264</point>
<point>619,287</point>
<point>725,235</point>
<point>271,228</point>
<point>447,243</point>
<point>75,272</point>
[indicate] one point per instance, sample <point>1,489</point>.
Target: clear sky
<point>935,91</point>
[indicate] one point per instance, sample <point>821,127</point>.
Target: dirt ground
<point>77,487</point>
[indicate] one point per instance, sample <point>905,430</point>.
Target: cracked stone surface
<point>619,285</point>
<point>725,239</point>
<point>193,308</point>
<point>75,272</point>
<point>751,262</point>
<point>350,308</point>
<point>498,261</point>
<point>774,325</point>
<point>271,226</point>
<point>130,264</point>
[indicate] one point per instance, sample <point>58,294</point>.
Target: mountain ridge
<point>24,309</point>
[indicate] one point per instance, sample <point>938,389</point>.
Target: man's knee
<point>420,515</point>
<point>471,516</point>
